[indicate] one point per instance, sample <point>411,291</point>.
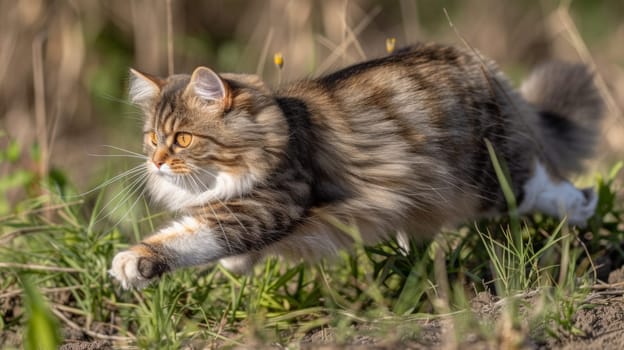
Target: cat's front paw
<point>582,207</point>
<point>135,270</point>
<point>125,269</point>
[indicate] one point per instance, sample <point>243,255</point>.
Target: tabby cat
<point>394,144</point>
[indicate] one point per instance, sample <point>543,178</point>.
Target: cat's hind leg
<point>558,198</point>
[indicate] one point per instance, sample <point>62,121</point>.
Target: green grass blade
<point>42,328</point>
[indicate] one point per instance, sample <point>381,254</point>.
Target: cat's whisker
<point>120,198</point>
<point>219,200</point>
<point>118,155</point>
<point>195,167</point>
<point>225,236</point>
<point>129,210</point>
<point>132,193</point>
<point>124,150</point>
<point>132,171</point>
<point>135,185</point>
<point>199,183</point>
<point>116,99</point>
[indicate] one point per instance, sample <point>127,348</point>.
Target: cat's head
<point>207,136</point>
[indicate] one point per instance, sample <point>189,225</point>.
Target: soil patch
<point>597,324</point>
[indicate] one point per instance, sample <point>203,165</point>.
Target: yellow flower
<point>278,59</point>
<point>390,44</point>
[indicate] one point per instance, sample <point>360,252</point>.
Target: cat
<point>394,144</point>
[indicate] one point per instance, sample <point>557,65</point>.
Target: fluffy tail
<point>570,107</point>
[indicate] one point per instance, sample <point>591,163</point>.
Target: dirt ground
<point>602,327</point>
<point>598,324</point>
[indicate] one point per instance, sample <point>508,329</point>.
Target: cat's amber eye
<point>183,139</point>
<point>153,138</point>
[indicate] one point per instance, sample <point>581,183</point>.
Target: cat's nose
<point>158,164</point>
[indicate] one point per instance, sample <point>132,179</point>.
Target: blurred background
<point>64,63</point>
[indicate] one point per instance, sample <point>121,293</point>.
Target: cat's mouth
<point>195,180</point>
<point>163,170</point>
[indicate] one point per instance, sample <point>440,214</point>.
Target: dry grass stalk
<point>169,38</point>
<point>563,15</point>
<point>35,267</point>
<point>264,53</point>
<point>331,59</point>
<point>40,105</point>
<point>89,332</point>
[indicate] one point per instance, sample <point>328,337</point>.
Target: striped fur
<point>395,143</point>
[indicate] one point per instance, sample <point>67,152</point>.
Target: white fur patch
<point>176,192</point>
<point>558,199</point>
<point>194,243</point>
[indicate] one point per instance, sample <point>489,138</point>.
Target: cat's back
<point>420,61</point>
<point>421,97</point>
<point>413,121</point>
<point>421,82</point>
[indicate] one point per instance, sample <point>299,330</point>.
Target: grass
<point>51,247</point>
<point>55,251</point>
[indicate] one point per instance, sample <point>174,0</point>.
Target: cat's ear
<point>144,88</point>
<point>210,87</point>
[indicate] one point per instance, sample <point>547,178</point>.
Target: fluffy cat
<point>395,144</point>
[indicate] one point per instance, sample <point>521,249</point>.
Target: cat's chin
<point>177,193</point>
<point>193,183</point>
